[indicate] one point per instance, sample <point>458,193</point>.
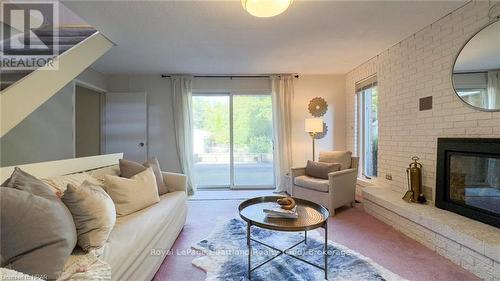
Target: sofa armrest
<point>175,181</point>
<point>297,171</point>
<point>343,186</point>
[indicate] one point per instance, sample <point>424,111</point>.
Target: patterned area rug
<point>226,256</point>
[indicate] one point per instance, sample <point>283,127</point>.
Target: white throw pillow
<point>60,183</point>
<point>133,194</point>
<point>99,174</point>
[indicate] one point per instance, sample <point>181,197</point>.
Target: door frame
<point>231,94</point>
<point>102,104</point>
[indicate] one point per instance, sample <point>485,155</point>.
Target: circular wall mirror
<point>476,73</point>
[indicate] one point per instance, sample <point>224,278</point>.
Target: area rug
<point>225,256</point>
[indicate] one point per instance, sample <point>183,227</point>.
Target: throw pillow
<point>37,230</point>
<point>101,172</point>
<point>60,183</point>
<point>131,195</point>
<point>155,165</point>
<point>321,169</point>
<point>130,168</point>
<point>93,212</point>
<point>341,157</point>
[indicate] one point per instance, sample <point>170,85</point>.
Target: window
<point>475,96</point>
<point>233,140</point>
<point>367,100</point>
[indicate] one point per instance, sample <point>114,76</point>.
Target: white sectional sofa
<point>129,247</point>
<point>130,244</point>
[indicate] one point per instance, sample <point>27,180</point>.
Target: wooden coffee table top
<point>310,214</point>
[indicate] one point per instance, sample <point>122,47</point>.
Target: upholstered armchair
<point>336,191</point>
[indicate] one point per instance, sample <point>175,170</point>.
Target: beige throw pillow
<point>60,183</point>
<point>99,174</point>
<point>93,212</point>
<point>130,168</point>
<point>133,194</point>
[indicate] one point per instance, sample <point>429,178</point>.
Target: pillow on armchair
<point>321,169</point>
<point>341,157</point>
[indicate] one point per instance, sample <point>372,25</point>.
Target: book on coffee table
<point>277,212</point>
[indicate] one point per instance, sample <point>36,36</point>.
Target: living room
<point>250,140</point>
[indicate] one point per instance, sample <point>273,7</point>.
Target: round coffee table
<point>310,216</point>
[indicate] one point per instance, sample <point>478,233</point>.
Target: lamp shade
<point>314,125</point>
<point>265,8</point>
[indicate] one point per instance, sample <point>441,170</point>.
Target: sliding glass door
<point>252,141</point>
<point>211,142</point>
<point>233,143</point>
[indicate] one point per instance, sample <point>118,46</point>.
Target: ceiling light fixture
<point>266,8</point>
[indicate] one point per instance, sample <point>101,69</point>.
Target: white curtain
<point>282,96</point>
<point>182,97</point>
<point>493,89</point>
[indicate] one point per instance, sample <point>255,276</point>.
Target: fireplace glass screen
<point>474,181</point>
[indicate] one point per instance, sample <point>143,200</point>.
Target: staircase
<point>67,38</point>
<point>24,91</point>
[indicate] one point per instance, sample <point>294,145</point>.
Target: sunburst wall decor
<point>318,107</point>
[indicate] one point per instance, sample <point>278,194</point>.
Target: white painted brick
<point>497,265</point>
<point>477,256</point>
<point>417,67</point>
<point>479,131</point>
<point>478,116</point>
<point>489,123</point>
<point>412,225</point>
<point>454,257</point>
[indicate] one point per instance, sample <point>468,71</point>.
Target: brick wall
<point>420,66</point>
<point>472,261</point>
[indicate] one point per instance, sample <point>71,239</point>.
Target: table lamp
<point>313,126</point>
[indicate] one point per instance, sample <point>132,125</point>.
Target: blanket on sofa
<point>79,266</point>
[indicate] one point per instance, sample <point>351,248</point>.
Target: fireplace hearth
<point>468,178</point>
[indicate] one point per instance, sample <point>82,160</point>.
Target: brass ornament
<point>414,177</point>
<point>286,203</point>
<point>318,107</point>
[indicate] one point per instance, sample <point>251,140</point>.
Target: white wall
<point>47,133</point>
<point>417,67</point>
<point>93,79</point>
<point>258,84</point>
<point>332,89</point>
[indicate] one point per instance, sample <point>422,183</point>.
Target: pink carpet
<point>351,227</point>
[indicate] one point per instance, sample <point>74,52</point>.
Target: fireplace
<point>468,178</point>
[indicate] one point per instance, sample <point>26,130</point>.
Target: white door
<point>126,125</point>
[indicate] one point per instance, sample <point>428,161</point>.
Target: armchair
<point>336,191</point>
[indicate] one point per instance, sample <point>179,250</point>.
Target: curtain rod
<point>228,76</point>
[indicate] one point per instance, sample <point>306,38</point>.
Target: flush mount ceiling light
<point>266,8</point>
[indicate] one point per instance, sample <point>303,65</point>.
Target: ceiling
<point>481,52</point>
<point>219,37</point>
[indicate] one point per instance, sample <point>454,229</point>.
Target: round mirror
<point>476,73</point>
